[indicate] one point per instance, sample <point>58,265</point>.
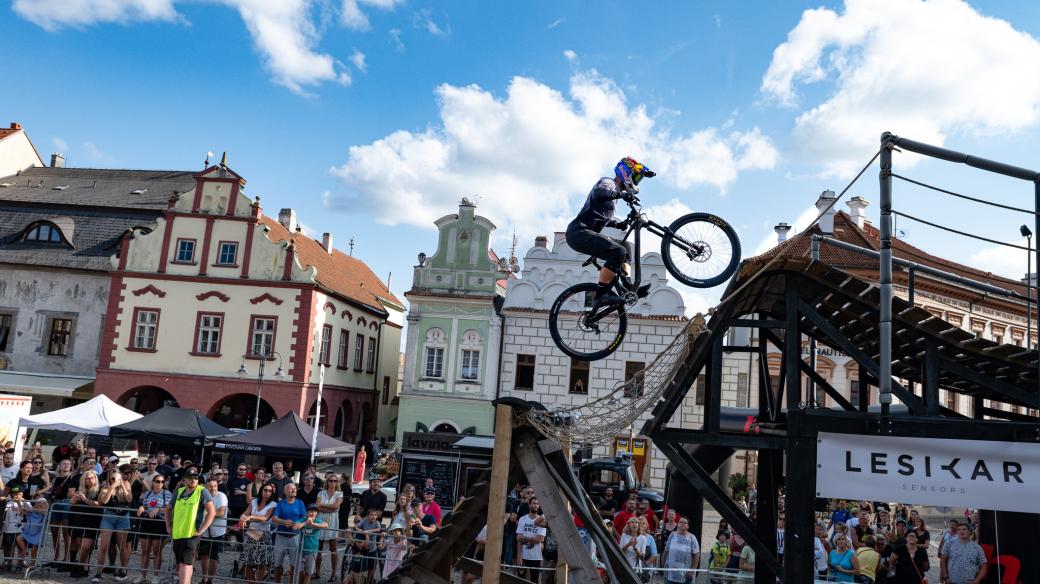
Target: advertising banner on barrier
<point>954,473</point>
<point>13,407</point>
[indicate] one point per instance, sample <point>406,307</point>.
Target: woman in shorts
<point>85,519</point>
<point>256,522</point>
<point>152,514</point>
<point>116,498</point>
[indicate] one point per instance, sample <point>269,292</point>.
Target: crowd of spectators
<point>114,519</point>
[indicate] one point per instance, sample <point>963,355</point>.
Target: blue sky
<point>374,117</point>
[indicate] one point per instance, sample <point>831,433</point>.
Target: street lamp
<point>279,374</point>
<point>1029,291</point>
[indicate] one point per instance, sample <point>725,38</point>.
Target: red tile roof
<point>845,229</point>
<point>338,272</point>
<point>5,132</point>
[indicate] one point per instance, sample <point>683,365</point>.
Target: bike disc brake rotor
<point>700,257</point>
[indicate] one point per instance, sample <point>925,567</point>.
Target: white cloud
<point>55,14</point>
<point>570,55</point>
<point>352,17</point>
<point>1005,261</point>
<point>60,145</point>
<point>283,31</point>
<point>920,69</point>
<point>423,19</point>
<point>358,59</point>
<point>394,34</point>
<point>533,155</point>
<point>93,151</point>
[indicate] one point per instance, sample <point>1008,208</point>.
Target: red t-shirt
<point>620,520</point>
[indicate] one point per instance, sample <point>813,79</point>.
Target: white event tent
<point>95,416</point>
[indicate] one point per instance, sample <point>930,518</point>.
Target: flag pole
<point>317,409</point>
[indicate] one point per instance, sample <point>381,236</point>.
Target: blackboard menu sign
<point>417,468</point>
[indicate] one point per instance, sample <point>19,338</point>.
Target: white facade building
<point>533,368</point>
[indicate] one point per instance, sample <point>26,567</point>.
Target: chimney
<point>326,241</point>
<point>781,230</point>
<point>16,126</point>
<point>287,217</point>
<point>541,241</point>
<point>857,205</point>
<point>826,202</point>
<point>57,161</point>
<point>559,236</point>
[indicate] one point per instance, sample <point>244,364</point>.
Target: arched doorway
<point>145,400</point>
<point>446,427</point>
<point>324,417</point>
<point>344,419</point>
<point>237,411</point>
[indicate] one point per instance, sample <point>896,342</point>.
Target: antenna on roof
<point>351,244</point>
<point>512,248</point>
<point>205,164</point>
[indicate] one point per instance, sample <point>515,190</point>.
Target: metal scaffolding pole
<point>885,279</point>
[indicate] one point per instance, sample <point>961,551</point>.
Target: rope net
<point>612,414</point>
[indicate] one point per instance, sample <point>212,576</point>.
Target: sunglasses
<point>37,462</point>
<point>333,480</point>
<point>158,482</point>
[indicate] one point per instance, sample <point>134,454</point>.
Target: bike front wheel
<point>700,250</point>
<point>582,332</point>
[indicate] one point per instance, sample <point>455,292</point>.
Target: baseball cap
<point>15,490</point>
<point>191,473</point>
<point>113,458</point>
<point>313,508</point>
<point>430,492</point>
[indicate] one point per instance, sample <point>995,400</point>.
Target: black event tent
<point>171,425</point>
<point>288,436</point>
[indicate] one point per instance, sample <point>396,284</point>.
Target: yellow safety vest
<point>184,513</point>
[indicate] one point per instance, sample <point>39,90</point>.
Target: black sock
<point>603,289</point>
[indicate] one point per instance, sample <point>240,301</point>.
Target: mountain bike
<point>699,249</point>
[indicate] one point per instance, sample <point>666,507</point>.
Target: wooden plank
<point>499,487</point>
<point>579,561</point>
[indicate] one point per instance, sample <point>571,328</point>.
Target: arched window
<point>435,345</point>
<point>469,356</point>
<point>45,232</point>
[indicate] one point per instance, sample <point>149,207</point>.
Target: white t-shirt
<point>219,526</point>
<point>260,525</point>
<point>525,526</point>
<point>8,472</point>
<point>13,517</point>
<point>630,552</point>
<point>819,555</point>
<point>679,553</point>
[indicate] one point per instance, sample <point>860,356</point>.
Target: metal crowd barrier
<point>231,561</point>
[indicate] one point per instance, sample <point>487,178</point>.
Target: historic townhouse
<point>454,331</point>
<point>533,368</point>
<point>59,227</point>
<point>218,290</point>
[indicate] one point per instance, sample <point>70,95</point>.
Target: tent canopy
<point>171,425</point>
<point>287,436</point>
<point>91,417</point>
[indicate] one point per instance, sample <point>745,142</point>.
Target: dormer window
<point>44,232</point>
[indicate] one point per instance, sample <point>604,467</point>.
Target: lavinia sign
<point>952,473</point>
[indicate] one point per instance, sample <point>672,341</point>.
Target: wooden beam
<point>497,493</point>
<point>579,561</point>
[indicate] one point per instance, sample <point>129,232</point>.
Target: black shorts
<point>211,548</point>
<point>614,253</point>
<point>184,550</point>
<point>9,538</point>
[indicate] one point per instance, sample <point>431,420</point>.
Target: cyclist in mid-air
<point>583,233</point>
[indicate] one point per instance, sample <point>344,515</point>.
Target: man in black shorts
<point>583,233</point>
<point>189,515</point>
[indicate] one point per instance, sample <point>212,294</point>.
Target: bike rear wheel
<point>582,332</point>
<point>701,250</point>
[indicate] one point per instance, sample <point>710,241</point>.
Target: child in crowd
<point>14,512</point>
<point>311,527</point>
<point>361,562</point>
<point>396,549</point>
<point>32,531</point>
<point>719,557</point>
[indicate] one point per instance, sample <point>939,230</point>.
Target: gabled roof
<point>96,187</point>
<point>845,229</point>
<point>5,132</point>
<point>338,272</point>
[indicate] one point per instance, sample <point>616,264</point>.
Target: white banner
<point>929,471</point>
<point>13,407</point>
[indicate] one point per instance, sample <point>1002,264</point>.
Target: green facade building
<point>453,341</point>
